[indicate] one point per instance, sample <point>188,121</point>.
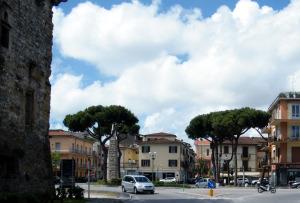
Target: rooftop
<point>246,140</point>
<point>285,96</point>
<point>160,141</point>
<point>160,134</point>
<point>80,135</point>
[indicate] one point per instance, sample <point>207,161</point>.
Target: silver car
<point>202,183</point>
<point>136,184</point>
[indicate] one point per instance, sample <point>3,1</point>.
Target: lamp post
<point>152,155</point>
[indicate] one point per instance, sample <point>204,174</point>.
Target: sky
<point>170,60</point>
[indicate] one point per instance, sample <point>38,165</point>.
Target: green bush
<point>102,182</point>
<point>116,181</point>
<point>162,184</point>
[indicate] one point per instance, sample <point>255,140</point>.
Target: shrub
<point>102,182</point>
<point>116,181</point>
<point>71,193</point>
<point>78,192</point>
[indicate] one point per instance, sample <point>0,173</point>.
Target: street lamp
<point>152,155</point>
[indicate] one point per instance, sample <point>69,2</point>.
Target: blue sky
<point>172,59</point>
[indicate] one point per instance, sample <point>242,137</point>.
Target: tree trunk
<point>217,163</point>
<point>119,160</point>
<point>104,165</point>
<point>213,159</point>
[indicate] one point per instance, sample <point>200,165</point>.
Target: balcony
<point>247,169</point>
<point>83,152</point>
<point>129,165</point>
<point>245,157</point>
<point>293,139</point>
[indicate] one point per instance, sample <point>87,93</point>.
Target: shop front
<point>286,173</point>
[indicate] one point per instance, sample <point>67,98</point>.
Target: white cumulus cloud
<point>173,65</point>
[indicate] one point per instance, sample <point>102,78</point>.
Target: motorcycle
<point>262,188</point>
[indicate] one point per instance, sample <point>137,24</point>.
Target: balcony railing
<point>293,138</point>
<point>245,156</point>
<point>128,165</point>
<point>249,169</point>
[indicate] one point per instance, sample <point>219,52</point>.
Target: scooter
<point>262,188</point>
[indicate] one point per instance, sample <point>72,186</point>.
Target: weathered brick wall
<point>25,96</point>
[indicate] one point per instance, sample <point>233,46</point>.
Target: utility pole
<point>152,155</point>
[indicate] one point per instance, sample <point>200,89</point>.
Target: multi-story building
<point>76,146</point>
<point>203,152</point>
<point>161,155</point>
<point>129,160</point>
<point>250,154</point>
<point>284,136</point>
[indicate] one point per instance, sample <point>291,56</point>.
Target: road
<point>193,195</point>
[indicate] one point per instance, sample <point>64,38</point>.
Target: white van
<point>136,184</point>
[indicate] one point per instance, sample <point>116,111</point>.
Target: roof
<point>249,141</point>
<point>160,134</point>
<point>80,135</point>
<point>285,96</point>
<point>160,141</point>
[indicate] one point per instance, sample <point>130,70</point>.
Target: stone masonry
<point>25,59</point>
<point>112,164</point>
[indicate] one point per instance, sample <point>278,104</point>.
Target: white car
<point>168,180</point>
<point>136,184</point>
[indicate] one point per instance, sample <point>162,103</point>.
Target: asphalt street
<point>180,195</point>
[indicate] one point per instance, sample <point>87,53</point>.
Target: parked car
<point>240,181</point>
<point>191,180</point>
<point>202,183</point>
<point>254,182</point>
<point>168,180</point>
<point>295,185</point>
<point>136,184</point>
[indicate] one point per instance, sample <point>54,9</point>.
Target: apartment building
<point>203,152</point>
<point>79,147</point>
<point>129,162</point>
<point>162,155</point>
<point>284,137</point>
<point>250,155</point>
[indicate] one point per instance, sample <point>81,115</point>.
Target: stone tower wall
<point>25,60</point>
<point>112,164</point>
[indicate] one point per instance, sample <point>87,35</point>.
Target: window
<point>172,149</point>
<point>145,149</point>
<point>145,162</point>
<point>29,103</point>
<point>245,152</point>
<point>57,146</point>
<point>295,131</point>
<point>207,152</point>
<point>226,149</point>
<point>172,163</point>
<point>295,111</point>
